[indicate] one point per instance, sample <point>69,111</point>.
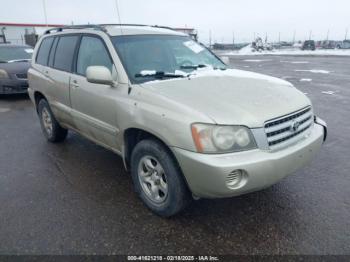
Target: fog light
<point>236,179</point>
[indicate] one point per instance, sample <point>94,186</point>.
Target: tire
<point>170,194</point>
<point>50,127</point>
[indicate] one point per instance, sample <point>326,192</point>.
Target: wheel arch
<point>37,97</point>
<point>132,136</point>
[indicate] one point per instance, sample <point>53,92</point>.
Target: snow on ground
<point>305,80</point>
<point>4,110</point>
<point>315,71</point>
<point>328,92</point>
<point>295,62</point>
<point>257,60</point>
<point>247,50</point>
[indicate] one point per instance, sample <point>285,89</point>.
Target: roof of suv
<point>137,30</point>
<point>124,29</point>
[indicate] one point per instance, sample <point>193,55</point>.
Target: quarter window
<point>92,52</point>
<point>65,53</point>
<point>44,51</point>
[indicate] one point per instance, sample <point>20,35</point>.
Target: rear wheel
<point>49,125</point>
<point>158,179</point>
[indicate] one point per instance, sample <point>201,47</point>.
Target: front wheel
<point>158,179</point>
<point>51,128</point>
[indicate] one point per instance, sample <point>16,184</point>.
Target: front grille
<point>288,129</point>
<point>22,76</point>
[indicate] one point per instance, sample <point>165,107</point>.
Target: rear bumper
<point>207,175</point>
<point>13,86</point>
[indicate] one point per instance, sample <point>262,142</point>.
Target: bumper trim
<point>324,125</point>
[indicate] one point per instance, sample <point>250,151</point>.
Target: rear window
<point>65,53</point>
<point>44,51</point>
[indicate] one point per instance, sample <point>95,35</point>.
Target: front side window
<point>162,54</point>
<point>65,53</point>
<point>44,51</point>
<point>92,52</point>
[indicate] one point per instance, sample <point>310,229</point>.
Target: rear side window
<point>52,52</point>
<point>65,53</point>
<point>44,51</point>
<point>92,52</point>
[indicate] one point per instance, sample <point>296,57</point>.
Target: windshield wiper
<point>220,68</point>
<point>159,74</point>
<point>19,60</point>
<point>193,66</point>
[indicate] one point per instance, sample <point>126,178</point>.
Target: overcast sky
<point>222,17</point>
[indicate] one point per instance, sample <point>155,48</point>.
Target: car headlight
<point>3,74</point>
<point>222,139</point>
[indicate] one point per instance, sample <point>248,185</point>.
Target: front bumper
<point>13,86</point>
<point>207,174</point>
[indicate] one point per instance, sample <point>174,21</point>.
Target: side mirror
<point>99,75</point>
<point>225,59</point>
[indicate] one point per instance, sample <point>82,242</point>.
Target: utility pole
<point>294,33</point>
<point>346,33</point>
<point>233,38</point>
<point>310,33</point>
<point>279,37</point>
<point>209,38</point>
<point>327,35</point>
<point>45,14</point>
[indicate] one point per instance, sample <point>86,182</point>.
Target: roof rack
<point>60,29</point>
<point>100,27</point>
<point>157,26</point>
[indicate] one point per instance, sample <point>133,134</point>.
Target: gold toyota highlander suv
<point>185,125</point>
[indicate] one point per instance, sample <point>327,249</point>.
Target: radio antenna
<point>45,13</point>
<point>121,31</point>
<point>118,13</point>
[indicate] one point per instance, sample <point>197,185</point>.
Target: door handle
<point>75,84</point>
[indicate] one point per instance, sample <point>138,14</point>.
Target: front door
<point>93,106</point>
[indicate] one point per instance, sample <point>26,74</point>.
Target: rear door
<point>60,72</point>
<point>94,108</point>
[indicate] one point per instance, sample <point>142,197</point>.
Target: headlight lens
<point>222,139</point>
<point>3,74</point>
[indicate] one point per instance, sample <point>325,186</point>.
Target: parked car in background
<point>282,45</point>
<point>344,44</point>
<point>326,44</point>
<point>185,125</point>
<point>309,45</point>
<point>14,65</point>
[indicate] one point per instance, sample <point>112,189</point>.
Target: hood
<point>15,67</point>
<point>233,97</point>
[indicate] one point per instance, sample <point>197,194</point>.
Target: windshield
<point>149,57</point>
<point>13,53</point>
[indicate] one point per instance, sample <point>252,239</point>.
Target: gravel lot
<point>76,198</point>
